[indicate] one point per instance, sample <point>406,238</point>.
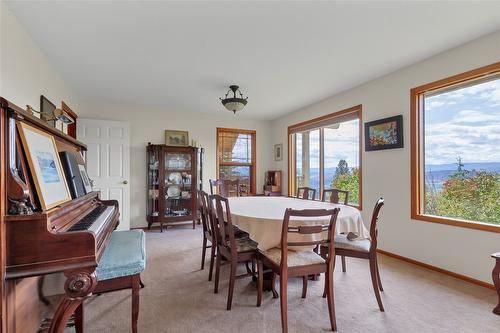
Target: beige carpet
<point>179,298</point>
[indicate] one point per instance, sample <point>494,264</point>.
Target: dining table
<point>262,218</point>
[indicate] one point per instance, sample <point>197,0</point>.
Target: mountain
<point>438,172</point>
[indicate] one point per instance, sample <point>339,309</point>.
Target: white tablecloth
<point>262,218</point>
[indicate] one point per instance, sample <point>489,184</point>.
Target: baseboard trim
<point>437,269</point>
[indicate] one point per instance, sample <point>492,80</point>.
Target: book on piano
<point>73,176</point>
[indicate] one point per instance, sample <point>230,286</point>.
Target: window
<point>326,153</point>
<point>455,154</point>
<point>236,156</point>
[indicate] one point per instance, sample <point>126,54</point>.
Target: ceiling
<point>183,55</point>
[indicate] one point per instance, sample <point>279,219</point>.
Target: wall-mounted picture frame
<point>384,133</point>
<point>45,165</point>
<point>278,152</point>
<point>176,138</point>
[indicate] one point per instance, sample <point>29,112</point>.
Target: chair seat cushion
<point>245,245</point>
<point>341,242</point>
<point>125,255</point>
<point>295,258</point>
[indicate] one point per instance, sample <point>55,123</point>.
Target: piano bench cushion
<point>125,255</point>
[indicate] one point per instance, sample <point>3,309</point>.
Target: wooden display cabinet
<point>273,183</point>
<point>172,182</point>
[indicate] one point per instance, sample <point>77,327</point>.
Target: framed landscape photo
<point>176,138</point>
<point>384,133</point>
<point>278,152</point>
<point>45,165</point>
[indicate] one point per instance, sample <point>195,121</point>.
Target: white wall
<point>149,125</point>
<point>387,173</point>
<point>25,73</point>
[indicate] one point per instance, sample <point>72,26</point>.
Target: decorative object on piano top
<point>172,182</point>
<point>73,175</point>
<point>176,138</point>
<point>87,183</point>
<point>45,166</point>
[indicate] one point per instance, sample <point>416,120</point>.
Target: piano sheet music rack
<point>35,242</point>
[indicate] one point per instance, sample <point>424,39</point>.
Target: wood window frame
<point>416,109</point>
<point>358,109</point>
<point>253,165</point>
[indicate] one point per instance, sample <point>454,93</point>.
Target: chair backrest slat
<point>308,229</point>
<point>332,195</point>
<point>306,193</point>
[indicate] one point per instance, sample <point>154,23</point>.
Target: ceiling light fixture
<point>234,103</point>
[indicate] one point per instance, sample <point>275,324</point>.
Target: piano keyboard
<point>94,220</point>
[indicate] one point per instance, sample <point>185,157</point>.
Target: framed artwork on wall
<point>384,133</point>
<point>46,168</point>
<point>176,138</point>
<point>278,152</point>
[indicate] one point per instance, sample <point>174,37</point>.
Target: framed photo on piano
<point>85,178</point>
<point>45,165</point>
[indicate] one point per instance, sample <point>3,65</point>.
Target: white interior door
<point>108,161</point>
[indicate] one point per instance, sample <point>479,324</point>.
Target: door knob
<point>125,182</point>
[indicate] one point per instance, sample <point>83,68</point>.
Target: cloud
<point>465,122</point>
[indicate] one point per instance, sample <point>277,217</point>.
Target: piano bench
<point>123,261</point>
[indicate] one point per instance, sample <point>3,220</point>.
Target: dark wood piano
<point>69,238</point>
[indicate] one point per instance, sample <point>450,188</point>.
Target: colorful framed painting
<point>45,165</point>
<point>384,133</point>
<point>176,138</point>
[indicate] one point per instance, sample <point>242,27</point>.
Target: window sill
<point>457,222</point>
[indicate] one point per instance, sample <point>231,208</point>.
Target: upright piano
<point>69,238</point>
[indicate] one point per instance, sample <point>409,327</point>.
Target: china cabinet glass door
<point>153,182</point>
<point>178,176</point>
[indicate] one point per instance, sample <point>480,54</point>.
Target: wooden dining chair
<point>288,263</point>
<point>306,193</point>
<point>332,195</point>
<point>234,250</point>
<point>208,232</point>
<point>215,184</point>
<point>226,187</point>
<point>364,249</point>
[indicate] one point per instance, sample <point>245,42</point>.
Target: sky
<point>465,123</point>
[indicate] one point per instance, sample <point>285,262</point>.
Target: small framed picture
<point>384,133</point>
<point>45,165</point>
<point>176,138</point>
<point>278,152</point>
<point>85,179</point>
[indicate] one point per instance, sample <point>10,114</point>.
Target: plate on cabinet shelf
<point>173,191</point>
<point>175,177</point>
